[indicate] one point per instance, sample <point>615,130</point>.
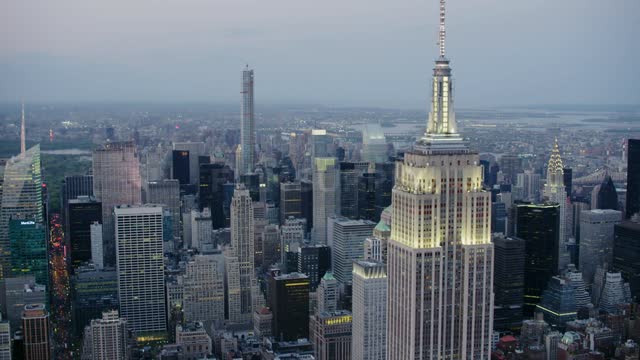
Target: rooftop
<point>291,276</point>
<point>82,200</point>
<point>137,209</point>
<point>192,326</point>
<point>367,263</point>
<point>382,226</point>
<point>264,311</point>
<point>350,222</point>
<point>328,276</point>
<point>603,211</point>
<point>335,313</point>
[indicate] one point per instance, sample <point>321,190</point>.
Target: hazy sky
<point>334,52</point>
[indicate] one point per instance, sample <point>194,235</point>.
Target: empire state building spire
<point>441,124</point>
<point>443,32</point>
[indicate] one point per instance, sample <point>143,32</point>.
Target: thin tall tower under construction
<point>247,125</point>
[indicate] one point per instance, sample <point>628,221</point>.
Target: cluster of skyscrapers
<point>320,251</point>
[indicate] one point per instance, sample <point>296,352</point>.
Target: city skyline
<point>139,230</point>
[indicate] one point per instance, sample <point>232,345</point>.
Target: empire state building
<point>440,255</point>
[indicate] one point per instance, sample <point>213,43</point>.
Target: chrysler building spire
<point>555,170</point>
<point>554,191</point>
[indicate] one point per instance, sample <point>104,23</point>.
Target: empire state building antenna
<point>442,34</point>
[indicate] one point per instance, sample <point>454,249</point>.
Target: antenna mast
<point>442,33</point>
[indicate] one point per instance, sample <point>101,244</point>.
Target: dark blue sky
<point>355,52</point>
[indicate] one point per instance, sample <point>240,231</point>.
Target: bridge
<point>598,177</point>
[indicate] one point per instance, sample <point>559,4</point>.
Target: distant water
<point>399,128</point>
<point>67,152</point>
<point>530,118</point>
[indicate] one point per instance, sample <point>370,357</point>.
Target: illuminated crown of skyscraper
<point>555,170</point>
<point>441,124</point>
